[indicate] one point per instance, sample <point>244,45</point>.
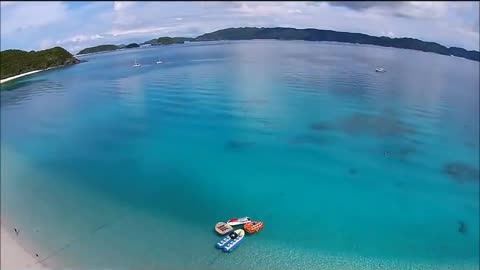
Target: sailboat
<point>159,62</point>
<point>136,64</point>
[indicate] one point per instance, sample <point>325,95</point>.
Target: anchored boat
<point>136,64</point>
<point>236,238</point>
<point>223,228</point>
<point>238,221</point>
<point>253,227</point>
<point>225,241</point>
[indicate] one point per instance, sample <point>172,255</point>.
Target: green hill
<point>281,33</point>
<point>132,45</point>
<point>100,48</point>
<point>15,62</point>
<point>168,40</point>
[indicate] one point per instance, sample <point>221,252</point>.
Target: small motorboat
<point>159,62</point>
<point>238,221</point>
<point>236,238</point>
<point>380,70</point>
<point>253,227</point>
<point>223,228</point>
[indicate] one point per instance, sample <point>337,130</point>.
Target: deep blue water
<point>108,166</point>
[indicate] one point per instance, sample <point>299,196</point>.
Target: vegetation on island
<point>100,48</point>
<point>280,33</point>
<point>132,45</point>
<point>15,62</point>
<point>168,40</point>
<point>155,41</point>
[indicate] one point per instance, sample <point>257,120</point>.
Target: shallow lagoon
<point>108,166</point>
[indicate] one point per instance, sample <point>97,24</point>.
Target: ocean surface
<point>106,166</point>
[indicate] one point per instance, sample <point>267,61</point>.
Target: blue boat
<point>236,238</point>
<point>225,240</point>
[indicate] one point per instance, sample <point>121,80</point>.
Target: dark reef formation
<point>461,172</point>
<point>462,227</point>
<point>377,125</point>
<point>237,145</point>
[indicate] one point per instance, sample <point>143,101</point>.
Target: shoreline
<point>20,75</point>
<point>14,256</point>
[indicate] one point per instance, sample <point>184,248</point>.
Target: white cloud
<point>6,3</point>
<point>30,16</point>
<point>266,9</point>
<point>45,44</point>
<point>138,31</point>
<point>298,11</point>
<point>388,34</point>
<point>423,10</point>
<point>80,38</point>
<point>122,5</point>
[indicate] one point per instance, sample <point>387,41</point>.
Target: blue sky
<point>75,25</point>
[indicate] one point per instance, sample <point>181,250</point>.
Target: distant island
<point>132,45</point>
<point>16,62</point>
<point>152,42</point>
<point>280,33</point>
<point>168,40</point>
<point>100,48</point>
<point>310,34</point>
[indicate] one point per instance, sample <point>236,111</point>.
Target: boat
<point>223,228</point>
<point>380,70</point>
<point>236,238</point>
<point>159,62</point>
<point>253,227</point>
<point>238,221</point>
<point>136,64</point>
<point>222,243</point>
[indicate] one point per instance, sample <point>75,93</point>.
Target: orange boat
<point>253,227</point>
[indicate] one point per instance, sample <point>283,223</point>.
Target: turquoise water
<point>107,166</point>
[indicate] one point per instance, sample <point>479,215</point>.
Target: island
<point>17,62</point>
<point>152,42</point>
<point>132,45</point>
<point>100,48</point>
<point>168,40</point>
<point>310,34</point>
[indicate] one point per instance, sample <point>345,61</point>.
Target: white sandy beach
<point>20,75</point>
<point>13,256</point>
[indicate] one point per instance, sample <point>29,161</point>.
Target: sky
<point>76,25</point>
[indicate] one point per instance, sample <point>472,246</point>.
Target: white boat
<point>237,237</point>
<point>159,62</point>
<point>223,228</point>
<point>238,221</point>
<point>380,70</point>
<point>136,64</point>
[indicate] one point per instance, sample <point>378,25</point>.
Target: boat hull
<point>223,228</point>
<point>238,221</point>
<point>253,227</point>
<point>234,243</point>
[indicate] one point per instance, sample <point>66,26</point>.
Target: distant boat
<point>159,62</point>
<point>380,70</point>
<point>136,64</point>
